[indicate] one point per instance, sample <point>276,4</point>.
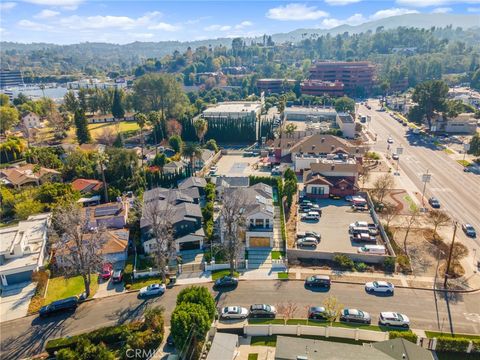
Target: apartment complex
<point>354,75</point>
<point>10,78</point>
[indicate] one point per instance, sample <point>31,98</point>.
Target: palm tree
<point>154,120</point>
<point>191,151</point>
<point>141,121</point>
<point>290,129</point>
<point>201,127</point>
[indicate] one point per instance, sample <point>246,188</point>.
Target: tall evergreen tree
<point>83,134</point>
<point>118,111</point>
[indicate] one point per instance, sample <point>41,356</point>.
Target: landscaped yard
<point>464,162</point>
<point>252,356</point>
<point>282,276</point>
<point>61,287</point>
<point>96,130</point>
<point>217,274</point>
<point>277,255</point>
<point>138,284</point>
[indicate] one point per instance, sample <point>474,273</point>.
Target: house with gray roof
<point>193,182</point>
<point>259,214</point>
<point>223,182</point>
<point>184,212</point>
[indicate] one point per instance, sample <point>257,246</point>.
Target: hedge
<point>407,335</point>
<point>456,344</point>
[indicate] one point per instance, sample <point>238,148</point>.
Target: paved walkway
<point>15,300</point>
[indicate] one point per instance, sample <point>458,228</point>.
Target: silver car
<point>152,290</point>
<point>383,287</point>
<point>394,319</point>
<point>234,312</point>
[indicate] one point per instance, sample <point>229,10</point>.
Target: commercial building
<point>10,78</point>
<point>321,88</point>
<point>274,86</point>
<point>95,84</point>
<point>245,112</point>
<point>23,249</point>
<point>354,75</point>
<point>462,124</point>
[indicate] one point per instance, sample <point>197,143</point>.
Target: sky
<point>121,22</point>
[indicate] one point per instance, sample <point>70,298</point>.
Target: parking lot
<point>337,215</point>
<point>239,165</point>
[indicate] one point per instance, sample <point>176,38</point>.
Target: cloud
<point>217,27</point>
<point>427,3</point>
<point>442,10</point>
<point>46,14</point>
<point>31,25</point>
<point>165,27</point>
<point>341,2</point>
<point>353,20</point>
<point>294,12</point>
<point>63,3</point>
<point>391,12</point>
<point>473,9</point>
<point>141,35</point>
<point>4,6</point>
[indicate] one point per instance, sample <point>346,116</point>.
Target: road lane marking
<point>474,317</point>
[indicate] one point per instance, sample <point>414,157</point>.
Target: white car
<point>362,224</point>
<point>383,287</point>
<point>152,290</point>
<point>390,140</point>
<point>394,319</point>
<point>234,312</point>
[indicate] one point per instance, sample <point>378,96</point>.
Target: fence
<point>206,167</point>
<point>145,273</point>
<point>213,266</point>
<point>307,330</point>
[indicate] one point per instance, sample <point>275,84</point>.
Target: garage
<point>190,245</point>
<point>259,242</point>
<point>19,277</point>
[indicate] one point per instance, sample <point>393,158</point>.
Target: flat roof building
<point>274,86</point>
<point>321,88</point>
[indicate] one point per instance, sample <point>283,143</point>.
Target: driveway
<point>109,288</point>
<point>15,299</point>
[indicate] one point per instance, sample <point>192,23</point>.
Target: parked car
<point>317,313</point>
<point>469,230</point>
<point>107,270</point>
<point>307,242</point>
<point>310,216</point>
<point>358,224</point>
<point>395,156</point>
<point>313,234</point>
<point>170,341</point>
<point>226,281</point>
<point>355,315</point>
<point>67,304</point>
<point>117,276</point>
<point>434,203</point>
<point>383,287</point>
<point>276,171</point>
<point>394,319</point>
<point>263,311</point>
<point>372,249</point>
<point>234,312</point>
<point>152,290</point>
<point>318,281</point>
<point>390,140</point>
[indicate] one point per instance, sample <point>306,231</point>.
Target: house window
<point>252,222</point>
<point>318,190</point>
<point>259,222</point>
<point>267,223</point>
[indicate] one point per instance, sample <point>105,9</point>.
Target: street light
<point>450,255</point>
<point>425,179</point>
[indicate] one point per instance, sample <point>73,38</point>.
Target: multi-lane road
<point>460,313</point>
<point>457,191</point>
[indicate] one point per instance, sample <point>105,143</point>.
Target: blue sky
<point>74,21</point>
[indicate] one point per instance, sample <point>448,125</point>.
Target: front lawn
<point>277,255</point>
<point>61,287</point>
<point>264,341</point>
<point>217,274</point>
<point>282,275</point>
<point>252,356</point>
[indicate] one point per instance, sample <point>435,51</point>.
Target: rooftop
<point>234,107</point>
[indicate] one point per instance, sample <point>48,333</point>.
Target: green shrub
<point>389,264</point>
<point>184,317</point>
<point>476,345</point>
<point>198,295</point>
<point>61,343</point>
<point>404,263</point>
<point>407,335</point>
<point>344,262</point>
<point>456,344</point>
<point>361,266</point>
<point>128,273</point>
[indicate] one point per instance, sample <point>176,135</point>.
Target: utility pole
<point>425,179</point>
<point>450,255</point>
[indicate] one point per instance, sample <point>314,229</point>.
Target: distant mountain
<point>408,20</point>
<point>138,50</point>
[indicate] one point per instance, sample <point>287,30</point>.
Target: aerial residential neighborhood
<point>229,180</point>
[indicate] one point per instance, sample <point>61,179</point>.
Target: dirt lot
<point>238,165</point>
<point>337,215</point>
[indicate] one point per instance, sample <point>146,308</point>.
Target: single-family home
<point>193,182</point>
<point>86,186</point>
<point>28,174</point>
<point>224,182</point>
<point>174,167</point>
<point>23,249</point>
<point>258,212</point>
<point>31,120</point>
<point>181,207</point>
<point>464,123</point>
<point>331,177</point>
<point>205,158</point>
<point>112,215</point>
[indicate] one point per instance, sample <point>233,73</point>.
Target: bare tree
<point>438,218</point>
<point>233,225</point>
<point>409,223</point>
<point>158,215</point>
<point>389,213</point>
<point>364,174</point>
<point>382,186</point>
<point>332,308</point>
<point>79,245</point>
<point>287,311</point>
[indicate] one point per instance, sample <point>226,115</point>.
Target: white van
<point>311,216</point>
<point>372,249</point>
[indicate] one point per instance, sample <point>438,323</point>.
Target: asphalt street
<point>461,313</point>
<point>457,191</point>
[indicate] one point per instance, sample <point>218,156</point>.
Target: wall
<point>296,254</point>
<point>213,266</point>
<point>327,331</point>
